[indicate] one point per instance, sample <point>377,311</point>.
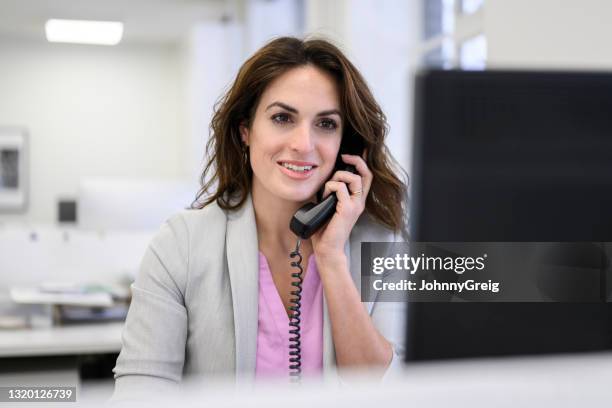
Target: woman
<point>212,296</point>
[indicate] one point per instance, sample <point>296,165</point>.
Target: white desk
<point>62,340</point>
<point>55,354</point>
<point>562,381</point>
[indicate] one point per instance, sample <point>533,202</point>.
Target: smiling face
<point>295,135</point>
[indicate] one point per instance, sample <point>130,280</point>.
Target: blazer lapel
<point>242,260</point>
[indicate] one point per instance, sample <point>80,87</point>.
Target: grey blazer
<point>194,303</point>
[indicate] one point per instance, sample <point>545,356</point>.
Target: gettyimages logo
<point>486,271</point>
<point>416,264</point>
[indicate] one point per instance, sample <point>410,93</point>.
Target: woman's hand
<point>351,190</point>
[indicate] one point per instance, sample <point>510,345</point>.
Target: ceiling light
<point>84,32</point>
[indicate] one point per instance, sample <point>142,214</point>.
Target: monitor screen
<point>503,156</point>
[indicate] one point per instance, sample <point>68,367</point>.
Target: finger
<point>339,188</point>
<point>362,169</point>
<point>353,180</point>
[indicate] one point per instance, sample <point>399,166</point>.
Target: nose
<point>302,140</point>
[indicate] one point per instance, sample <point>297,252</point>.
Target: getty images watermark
<point>413,264</point>
<point>486,271</point>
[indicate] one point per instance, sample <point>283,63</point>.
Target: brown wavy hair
<point>227,176</point>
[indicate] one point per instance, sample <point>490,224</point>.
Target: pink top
<point>273,323</point>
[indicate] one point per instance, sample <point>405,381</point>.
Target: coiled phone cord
<point>295,346</point>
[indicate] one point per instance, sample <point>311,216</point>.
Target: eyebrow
<point>293,110</point>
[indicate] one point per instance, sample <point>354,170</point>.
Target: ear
<point>244,134</point>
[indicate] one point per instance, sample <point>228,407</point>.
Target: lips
<point>297,174</point>
<point>297,163</point>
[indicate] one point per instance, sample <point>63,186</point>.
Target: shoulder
<point>186,241</point>
<point>207,219</point>
<point>182,227</point>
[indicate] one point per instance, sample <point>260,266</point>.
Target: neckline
<point>306,282</point>
<point>305,266</point>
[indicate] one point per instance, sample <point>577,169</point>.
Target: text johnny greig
<point>414,264</point>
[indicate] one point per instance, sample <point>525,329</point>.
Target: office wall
<point>548,33</point>
<point>382,38</point>
<point>91,111</point>
<point>210,55</point>
<point>264,20</point>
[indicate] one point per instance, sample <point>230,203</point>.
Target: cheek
<point>330,151</point>
<point>262,153</point>
<point>263,139</point>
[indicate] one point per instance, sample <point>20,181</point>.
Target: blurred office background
<point>110,139</point>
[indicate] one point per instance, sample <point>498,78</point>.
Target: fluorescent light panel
<point>84,31</point>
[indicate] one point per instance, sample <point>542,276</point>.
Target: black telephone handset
<point>305,222</point>
<point>310,217</point>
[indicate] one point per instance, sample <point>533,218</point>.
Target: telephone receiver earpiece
<point>310,217</point>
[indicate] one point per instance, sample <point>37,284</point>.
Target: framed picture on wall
<point>13,169</point>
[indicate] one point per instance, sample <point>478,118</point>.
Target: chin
<point>297,195</point>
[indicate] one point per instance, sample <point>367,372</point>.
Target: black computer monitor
<point>507,156</point>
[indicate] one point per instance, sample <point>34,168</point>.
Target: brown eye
<point>280,118</point>
<point>328,124</point>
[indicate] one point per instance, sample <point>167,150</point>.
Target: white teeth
<point>297,168</point>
